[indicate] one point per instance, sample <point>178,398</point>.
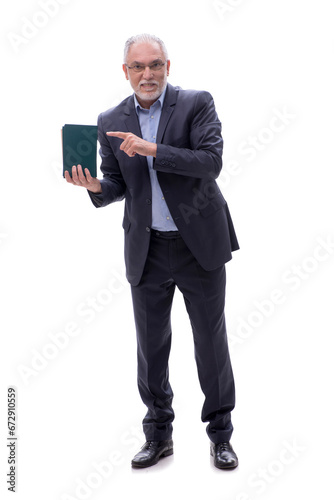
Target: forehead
<point>145,52</point>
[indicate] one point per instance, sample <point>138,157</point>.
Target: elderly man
<point>161,150</point>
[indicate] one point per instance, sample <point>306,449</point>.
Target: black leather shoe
<point>224,456</point>
<point>151,453</point>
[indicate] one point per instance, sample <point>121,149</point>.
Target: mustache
<point>143,82</point>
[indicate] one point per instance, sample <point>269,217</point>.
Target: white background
<point>58,253</point>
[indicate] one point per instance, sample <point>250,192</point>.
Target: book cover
<point>79,146</point>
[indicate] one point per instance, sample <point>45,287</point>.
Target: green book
<point>79,143</point>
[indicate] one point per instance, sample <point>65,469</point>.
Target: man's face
<point>148,84</point>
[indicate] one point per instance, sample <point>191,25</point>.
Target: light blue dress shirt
<point>149,122</point>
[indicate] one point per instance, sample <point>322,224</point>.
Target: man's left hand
<point>133,145</point>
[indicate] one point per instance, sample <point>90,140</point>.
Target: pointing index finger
<point>120,135</point>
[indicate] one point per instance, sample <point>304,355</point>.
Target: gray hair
<point>144,38</point>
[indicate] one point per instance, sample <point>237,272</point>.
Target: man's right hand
<point>79,179</point>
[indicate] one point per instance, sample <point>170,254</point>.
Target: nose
<point>147,73</point>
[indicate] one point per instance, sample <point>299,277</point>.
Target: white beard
<point>152,96</point>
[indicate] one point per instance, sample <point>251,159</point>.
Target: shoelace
<point>149,445</point>
<point>224,447</point>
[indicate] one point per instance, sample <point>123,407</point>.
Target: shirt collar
<point>160,99</point>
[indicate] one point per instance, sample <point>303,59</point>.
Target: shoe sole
<point>143,466</point>
<point>228,467</point>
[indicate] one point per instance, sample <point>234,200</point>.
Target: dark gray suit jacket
<point>189,159</point>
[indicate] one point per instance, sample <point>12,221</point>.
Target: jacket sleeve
<point>113,185</point>
<point>204,157</point>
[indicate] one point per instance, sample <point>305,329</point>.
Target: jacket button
<point>148,229</point>
<point>148,201</point>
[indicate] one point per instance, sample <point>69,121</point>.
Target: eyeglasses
<point>140,68</point>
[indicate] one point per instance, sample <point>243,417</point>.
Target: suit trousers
<point>169,264</point>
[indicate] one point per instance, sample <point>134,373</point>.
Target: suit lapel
<point>131,118</point>
<point>132,124</point>
<point>167,111</point>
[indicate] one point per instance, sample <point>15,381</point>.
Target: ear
<point>168,66</point>
<point>125,69</point>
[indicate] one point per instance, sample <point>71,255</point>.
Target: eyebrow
<point>142,64</point>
